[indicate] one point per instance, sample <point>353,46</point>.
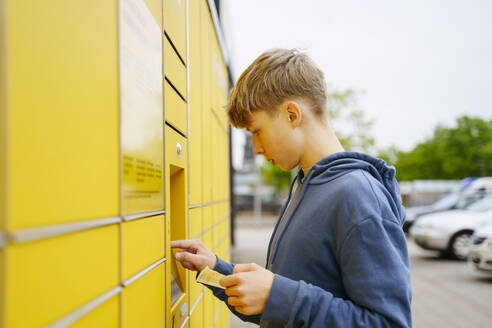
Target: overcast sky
<point>416,63</point>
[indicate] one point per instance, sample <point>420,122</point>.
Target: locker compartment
<point>143,300</point>
<point>63,114</point>
<point>105,315</point>
<point>175,108</point>
<point>52,277</point>
<point>177,226</point>
<point>174,69</point>
<point>195,219</point>
<point>176,149</point>
<point>142,244</point>
<point>175,24</point>
<point>196,317</point>
<point>195,104</point>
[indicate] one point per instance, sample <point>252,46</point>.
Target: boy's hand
<point>248,288</point>
<point>194,255</point>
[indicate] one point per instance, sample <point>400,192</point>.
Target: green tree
<point>451,153</point>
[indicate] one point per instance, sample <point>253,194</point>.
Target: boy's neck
<point>319,141</point>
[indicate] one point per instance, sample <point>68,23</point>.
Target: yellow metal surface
<point>63,114</point>
<point>195,219</point>
<point>196,318</point>
<point>141,105</point>
<point>175,23</point>
<point>142,244</point>
<point>53,277</point>
<point>143,300</point>
<point>174,69</point>
<point>176,112</point>
<point>176,149</point>
<point>195,104</point>
<point>105,315</point>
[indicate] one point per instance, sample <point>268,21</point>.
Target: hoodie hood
<point>339,164</point>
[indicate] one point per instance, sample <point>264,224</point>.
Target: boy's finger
<point>186,257</point>
<point>245,267</point>
<point>228,281</point>
<point>183,244</point>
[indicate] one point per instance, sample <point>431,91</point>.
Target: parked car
<point>480,254</point>
<point>451,231</point>
<point>471,190</point>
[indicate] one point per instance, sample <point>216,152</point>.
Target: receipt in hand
<point>210,277</point>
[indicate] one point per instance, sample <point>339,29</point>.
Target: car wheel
<point>460,244</point>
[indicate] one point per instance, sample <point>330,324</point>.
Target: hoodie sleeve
<point>227,269</point>
<point>376,278</point>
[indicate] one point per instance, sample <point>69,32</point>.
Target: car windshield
<point>447,202</point>
<point>481,205</point>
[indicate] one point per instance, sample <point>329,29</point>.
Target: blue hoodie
<point>341,260</point>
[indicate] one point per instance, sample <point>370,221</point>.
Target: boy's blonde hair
<point>275,76</point>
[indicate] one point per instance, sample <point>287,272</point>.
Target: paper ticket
<point>210,277</point>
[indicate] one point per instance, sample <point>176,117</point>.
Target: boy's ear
<point>293,112</point>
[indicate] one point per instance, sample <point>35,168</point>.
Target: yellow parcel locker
<point>63,114</point>
<point>106,315</point>
<point>176,112</point>
<point>143,300</point>
<point>174,69</point>
<point>175,24</point>
<point>52,277</point>
<point>142,244</point>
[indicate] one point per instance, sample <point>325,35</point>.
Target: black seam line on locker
<point>211,227</point>
<point>220,242</point>
<point>85,309</point>
<point>31,234</point>
<point>176,130</point>
<point>197,300</point>
<point>218,31</point>
<point>141,216</point>
<point>142,273</point>
<point>174,88</point>
<point>174,47</point>
<point>207,204</point>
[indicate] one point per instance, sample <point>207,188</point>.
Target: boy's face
<point>276,137</point>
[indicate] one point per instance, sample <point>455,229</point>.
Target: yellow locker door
<point>63,116</point>
<point>41,275</point>
<point>195,105</point>
<point>143,300</point>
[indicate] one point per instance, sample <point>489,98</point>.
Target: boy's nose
<point>257,148</point>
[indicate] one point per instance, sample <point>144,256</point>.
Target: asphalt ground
<point>446,292</point>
